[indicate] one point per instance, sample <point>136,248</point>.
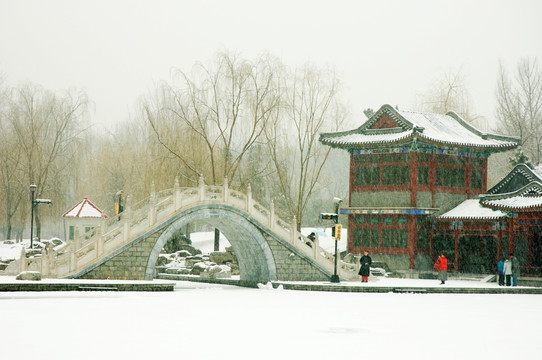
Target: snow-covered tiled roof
<point>516,202</point>
<point>520,170</point>
<point>448,129</point>
<point>471,209</point>
<point>527,198</point>
<point>84,209</point>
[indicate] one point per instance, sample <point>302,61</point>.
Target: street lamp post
<point>335,218</point>
<point>35,202</point>
<point>32,190</point>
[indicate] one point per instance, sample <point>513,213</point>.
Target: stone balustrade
<point>137,219</point>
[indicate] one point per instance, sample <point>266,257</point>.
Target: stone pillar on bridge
<point>272,215</point>
<point>77,239</point>
<point>100,242</point>
<point>71,251</point>
<point>316,246</point>
<point>226,190</point>
<point>201,185</point>
<point>249,199</point>
<point>127,217</point>
<point>293,230</point>
<point>152,206</point>
<point>177,194</point>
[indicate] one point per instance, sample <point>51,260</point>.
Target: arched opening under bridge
<point>256,261</point>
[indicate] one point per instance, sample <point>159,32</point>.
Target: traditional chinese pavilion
<point>405,169</point>
<point>506,220</point>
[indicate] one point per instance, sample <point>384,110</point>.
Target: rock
<point>199,268</point>
<point>183,254</point>
<point>192,250</point>
<point>162,260</point>
<point>29,275</point>
<point>221,257</point>
<point>217,272</point>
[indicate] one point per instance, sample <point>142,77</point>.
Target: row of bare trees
<point>250,122</point>
<point>38,133</point>
<point>253,122</point>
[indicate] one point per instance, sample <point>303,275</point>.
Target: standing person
<point>365,268</point>
<point>441,265</point>
<point>515,270</point>
<point>507,271</point>
<point>311,237</point>
<point>500,269</point>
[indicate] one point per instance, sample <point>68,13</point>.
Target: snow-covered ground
<point>205,321</point>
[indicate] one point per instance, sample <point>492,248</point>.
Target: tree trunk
<point>217,240</point>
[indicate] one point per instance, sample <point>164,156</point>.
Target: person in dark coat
<point>515,270</point>
<point>500,271</point>
<point>365,268</point>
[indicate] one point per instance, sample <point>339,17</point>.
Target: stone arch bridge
<point>127,246</point>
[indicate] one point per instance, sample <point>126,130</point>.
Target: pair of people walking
<point>510,271</point>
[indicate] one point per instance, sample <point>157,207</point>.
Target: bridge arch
<point>255,258</point>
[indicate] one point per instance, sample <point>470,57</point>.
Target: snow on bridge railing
<point>160,206</point>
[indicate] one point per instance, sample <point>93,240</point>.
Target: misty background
<point>113,65</point>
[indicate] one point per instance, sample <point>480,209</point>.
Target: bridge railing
<point>139,218</point>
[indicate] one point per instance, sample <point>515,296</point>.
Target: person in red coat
<point>442,267</point>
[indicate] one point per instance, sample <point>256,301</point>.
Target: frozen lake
<point>205,321</point>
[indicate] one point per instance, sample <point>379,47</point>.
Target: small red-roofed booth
<point>82,219</point>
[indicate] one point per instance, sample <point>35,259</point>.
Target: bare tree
<point>519,106</point>
<point>222,109</point>
<point>450,93</point>
<point>42,125</point>
<point>310,105</point>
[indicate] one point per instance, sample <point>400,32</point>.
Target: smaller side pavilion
<point>82,218</point>
<point>506,220</point>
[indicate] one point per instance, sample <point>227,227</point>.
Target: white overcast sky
<point>383,51</point>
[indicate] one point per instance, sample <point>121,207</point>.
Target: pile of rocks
<point>217,265</point>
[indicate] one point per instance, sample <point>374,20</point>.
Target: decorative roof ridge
<point>395,130</point>
<point>484,135</point>
<point>519,168</point>
<point>393,113</point>
<point>535,185</point>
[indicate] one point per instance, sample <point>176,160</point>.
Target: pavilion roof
<point>85,209</point>
<point>527,198</point>
<point>389,126</point>
<point>471,209</point>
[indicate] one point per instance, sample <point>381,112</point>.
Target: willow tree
<point>219,110</point>
<point>519,106</point>
<point>310,105</point>
<point>40,127</point>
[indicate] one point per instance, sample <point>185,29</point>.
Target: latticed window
<point>476,179</point>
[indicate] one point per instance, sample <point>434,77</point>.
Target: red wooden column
<point>412,231</point>
<point>511,236</point>
<point>468,177</point>
<point>456,249</point>
<point>413,178</point>
<point>499,245</point>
